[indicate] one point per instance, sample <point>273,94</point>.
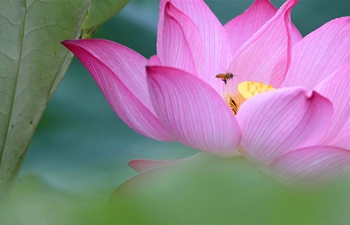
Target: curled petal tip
<point>68,42</point>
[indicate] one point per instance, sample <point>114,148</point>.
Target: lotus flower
<point>281,101</point>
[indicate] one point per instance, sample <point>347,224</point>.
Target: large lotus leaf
<point>32,64</point>
<point>205,189</point>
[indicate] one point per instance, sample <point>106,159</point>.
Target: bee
<point>225,76</point>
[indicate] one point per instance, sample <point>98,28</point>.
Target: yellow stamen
<point>246,90</point>
<point>247,93</point>
<point>232,103</point>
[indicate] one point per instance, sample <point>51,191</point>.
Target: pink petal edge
<point>118,72</point>
<point>141,165</point>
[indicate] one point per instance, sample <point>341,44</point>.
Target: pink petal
<point>154,61</point>
<point>141,165</point>
<point>120,74</point>
<point>336,88</point>
<point>279,121</point>
<point>160,32</point>
<point>193,111</point>
<point>342,140</point>
<point>311,166</point>
<point>319,54</point>
<point>265,56</point>
<point>295,35</point>
<point>182,43</point>
<point>241,28</point>
<point>217,51</point>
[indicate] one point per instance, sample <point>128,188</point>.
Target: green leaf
<point>100,11</point>
<point>32,64</point>
<point>205,189</point>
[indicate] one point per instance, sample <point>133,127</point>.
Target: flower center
<point>246,90</point>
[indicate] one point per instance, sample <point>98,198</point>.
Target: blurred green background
<point>81,144</point>
<point>81,147</point>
